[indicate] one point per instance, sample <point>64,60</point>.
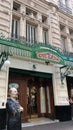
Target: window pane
<point>12,27</point>
<point>63,43</point>
<point>72,45</point>
<point>15,28</point>
<point>44,36</point>
<point>30,33</point>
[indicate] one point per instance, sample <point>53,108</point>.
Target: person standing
<point>14,110</point>
<point>71,104</point>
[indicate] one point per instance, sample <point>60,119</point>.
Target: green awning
<point>38,51</point>
<point>31,73</point>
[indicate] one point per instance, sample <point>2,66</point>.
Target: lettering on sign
<point>48,56</point>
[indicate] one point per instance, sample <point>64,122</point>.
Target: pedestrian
<point>14,111</point>
<point>71,103</point>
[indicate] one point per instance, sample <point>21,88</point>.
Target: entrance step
<point>39,121</point>
<point>32,117</point>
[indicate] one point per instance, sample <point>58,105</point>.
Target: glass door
<point>32,100</point>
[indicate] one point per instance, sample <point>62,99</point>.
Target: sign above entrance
<point>49,55</point>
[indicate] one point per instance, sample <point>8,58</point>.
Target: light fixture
<point>34,66</point>
<point>4,59</point>
<point>47,62</point>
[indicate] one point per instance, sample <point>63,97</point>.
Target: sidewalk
<point>67,125</point>
<point>37,121</point>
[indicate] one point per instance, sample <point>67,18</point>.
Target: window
<point>30,33</point>
<point>66,3</point>
<point>72,44</point>
<point>63,40</point>
<point>62,28</point>
<point>44,19</point>
<point>31,13</point>
<point>16,6</point>
<point>45,35</point>
<point>71,32</point>
<point>15,28</point>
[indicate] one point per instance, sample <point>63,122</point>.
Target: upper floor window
<point>64,2</point>
<point>71,32</point>
<point>15,28</point>
<point>65,5</point>
<point>63,43</point>
<point>45,36</point>
<point>31,13</point>
<point>62,28</point>
<point>72,45</point>
<point>16,6</point>
<point>30,33</point>
<point>44,19</point>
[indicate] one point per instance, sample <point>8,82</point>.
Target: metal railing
<point>64,8</point>
<point>21,47</point>
<point>25,49</point>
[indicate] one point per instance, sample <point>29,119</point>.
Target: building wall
<point>53,15</point>
<point>5,18</point>
<point>3,86</point>
<point>47,16</point>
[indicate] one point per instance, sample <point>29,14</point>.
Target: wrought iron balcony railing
<point>64,8</point>
<point>25,49</point>
<point>17,38</point>
<point>21,47</point>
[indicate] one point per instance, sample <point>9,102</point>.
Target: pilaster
<point>60,90</point>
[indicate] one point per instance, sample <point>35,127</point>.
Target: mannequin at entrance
<point>14,111</point>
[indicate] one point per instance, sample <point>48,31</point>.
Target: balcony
<point>21,47</point>
<point>64,8</point>
<point>24,49</point>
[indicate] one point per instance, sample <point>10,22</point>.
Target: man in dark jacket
<point>13,111</point>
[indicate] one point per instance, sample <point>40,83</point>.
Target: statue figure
<point>14,111</point>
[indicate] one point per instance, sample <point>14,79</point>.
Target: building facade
<point>37,38</point>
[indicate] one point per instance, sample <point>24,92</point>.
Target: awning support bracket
<point>67,72</point>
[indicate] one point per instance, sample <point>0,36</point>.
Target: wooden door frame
<point>21,79</point>
<point>51,96</point>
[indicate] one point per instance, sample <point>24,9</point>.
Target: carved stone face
<point>13,93</point>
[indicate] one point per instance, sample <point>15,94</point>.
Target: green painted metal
<point>32,73</point>
<point>47,54</point>
<point>15,44</point>
<point>34,51</point>
<point>15,48</point>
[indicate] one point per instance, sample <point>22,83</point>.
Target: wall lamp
<point>34,66</point>
<point>47,62</point>
<point>4,59</point>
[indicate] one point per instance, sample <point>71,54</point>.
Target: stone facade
<point>39,21</point>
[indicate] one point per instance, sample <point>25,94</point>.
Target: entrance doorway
<point>35,93</point>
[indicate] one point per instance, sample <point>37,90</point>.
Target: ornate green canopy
<point>39,51</point>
